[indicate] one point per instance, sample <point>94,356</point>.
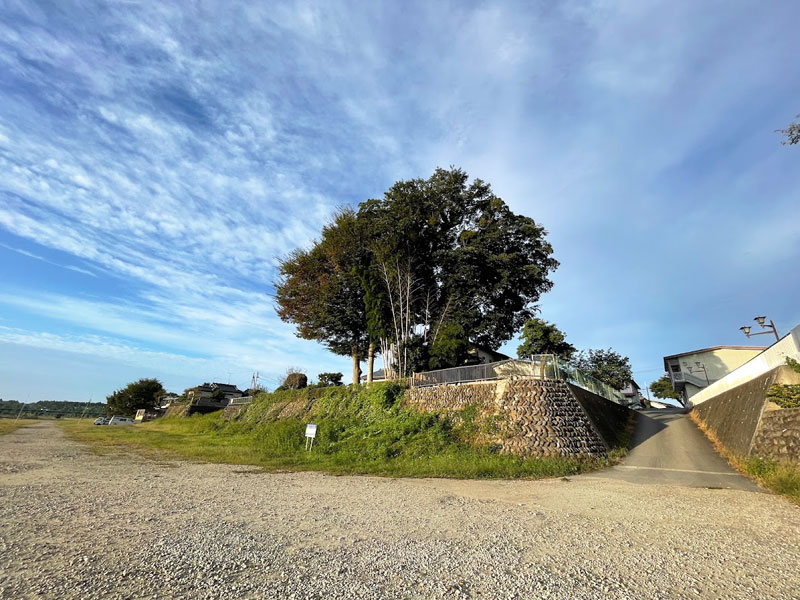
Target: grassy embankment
<point>779,476</point>
<point>9,425</point>
<point>359,431</point>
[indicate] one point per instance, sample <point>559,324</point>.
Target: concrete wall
<point>736,415</point>
<point>772,357</point>
<point>532,416</point>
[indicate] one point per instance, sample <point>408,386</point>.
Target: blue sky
<point>158,157</point>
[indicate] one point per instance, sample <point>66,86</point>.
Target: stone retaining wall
<point>532,416</point>
<point>778,435</point>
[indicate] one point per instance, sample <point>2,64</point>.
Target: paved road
<point>668,448</point>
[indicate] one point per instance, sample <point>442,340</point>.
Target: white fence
<point>774,356</point>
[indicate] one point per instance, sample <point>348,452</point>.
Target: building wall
<point>717,363</point>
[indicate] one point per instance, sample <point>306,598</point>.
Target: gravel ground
<point>77,525</point>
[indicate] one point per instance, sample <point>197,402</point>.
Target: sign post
<point>311,433</point>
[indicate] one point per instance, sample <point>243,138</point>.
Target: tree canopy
<point>541,337</point>
<point>145,393</point>
<point>662,388</point>
<point>607,366</point>
<point>792,133</point>
<point>435,266</point>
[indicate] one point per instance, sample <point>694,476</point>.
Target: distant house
<point>692,371</point>
<point>632,391</point>
<point>212,396</point>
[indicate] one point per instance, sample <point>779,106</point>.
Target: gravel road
<point>77,525</point>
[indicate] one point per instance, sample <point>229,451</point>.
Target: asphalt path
<point>668,448</point>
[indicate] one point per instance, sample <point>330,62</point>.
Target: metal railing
<point>540,366</point>
<point>240,401</point>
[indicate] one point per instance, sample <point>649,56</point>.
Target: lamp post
<point>761,321</point>
<point>702,367</point>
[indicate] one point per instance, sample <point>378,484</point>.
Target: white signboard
<point>311,433</point>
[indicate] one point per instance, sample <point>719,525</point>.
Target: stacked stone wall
<point>778,435</point>
<point>532,416</point>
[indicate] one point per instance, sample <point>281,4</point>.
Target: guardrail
<point>240,401</point>
<point>540,366</point>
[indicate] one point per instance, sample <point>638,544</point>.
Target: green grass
<point>366,431</point>
<point>9,425</point>
<point>782,477</point>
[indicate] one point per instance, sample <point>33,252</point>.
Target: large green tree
<point>541,337</point>
<point>145,393</point>
<point>434,266</point>
<point>458,267</point>
<point>607,366</point>
<point>320,290</point>
<point>662,388</point>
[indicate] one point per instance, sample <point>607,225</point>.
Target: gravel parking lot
<point>78,525</point>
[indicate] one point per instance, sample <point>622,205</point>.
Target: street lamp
<point>702,367</point>
<point>761,321</point>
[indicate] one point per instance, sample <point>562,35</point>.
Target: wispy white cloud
<point>176,151</point>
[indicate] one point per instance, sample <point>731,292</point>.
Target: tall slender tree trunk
<point>356,368</point>
<point>370,362</point>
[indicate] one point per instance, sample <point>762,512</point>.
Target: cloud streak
<point>164,156</point>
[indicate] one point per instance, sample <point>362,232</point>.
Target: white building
<point>693,371</point>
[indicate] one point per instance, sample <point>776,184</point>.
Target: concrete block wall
<point>739,418</point>
<point>534,417</point>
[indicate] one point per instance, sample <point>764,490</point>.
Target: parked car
<point>101,421</point>
<point>115,420</point>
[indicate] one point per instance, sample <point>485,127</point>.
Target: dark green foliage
<point>792,133</point>
<point>326,379</point>
<point>437,257</point>
<point>607,366</point>
<point>449,348</point>
<point>145,393</point>
<point>48,408</point>
<point>662,388</point>
<point>320,289</point>
<point>472,261</point>
<point>785,396</point>
<point>541,337</point>
<point>295,381</point>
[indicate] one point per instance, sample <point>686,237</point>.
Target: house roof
<point>225,387</point>
<point>712,348</point>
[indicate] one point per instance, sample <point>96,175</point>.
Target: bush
<point>328,379</point>
<point>295,381</point>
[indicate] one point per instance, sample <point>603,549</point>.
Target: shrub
<point>295,381</point>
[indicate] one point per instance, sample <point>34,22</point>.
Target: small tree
<point>295,381</point>
<point>662,388</point>
<point>145,393</point>
<point>605,365</point>
<point>329,379</point>
<point>541,337</point>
